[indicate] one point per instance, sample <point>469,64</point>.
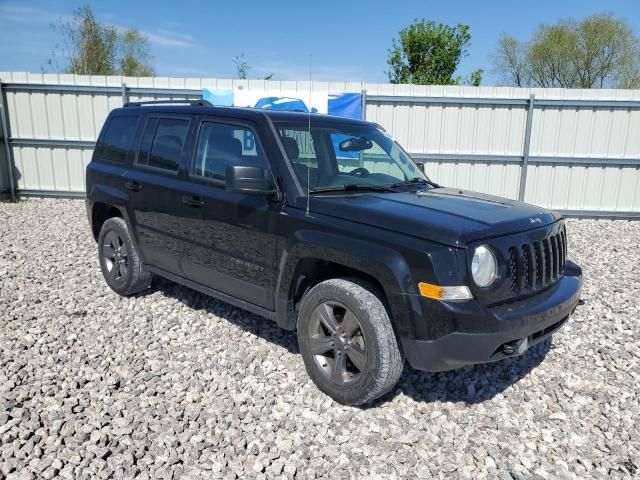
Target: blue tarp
<point>223,98</point>
<point>343,105</point>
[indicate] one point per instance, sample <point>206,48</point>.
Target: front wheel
<point>347,342</point>
<point>121,267</point>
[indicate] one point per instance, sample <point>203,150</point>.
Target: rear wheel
<point>121,267</point>
<point>347,342</point>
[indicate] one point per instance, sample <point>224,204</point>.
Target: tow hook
<point>517,347</point>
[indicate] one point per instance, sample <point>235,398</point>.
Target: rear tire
<point>121,267</point>
<point>347,341</point>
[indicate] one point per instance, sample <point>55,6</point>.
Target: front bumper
<point>486,334</point>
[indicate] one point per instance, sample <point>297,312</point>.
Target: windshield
<point>338,155</point>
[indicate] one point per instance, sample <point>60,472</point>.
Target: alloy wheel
<point>114,253</point>
<point>337,343</point>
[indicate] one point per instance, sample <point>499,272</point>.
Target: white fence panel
<point>584,187</point>
<point>584,155</point>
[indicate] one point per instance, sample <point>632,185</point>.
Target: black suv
<point>326,226</point>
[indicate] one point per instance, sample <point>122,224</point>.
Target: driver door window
<point>221,145</point>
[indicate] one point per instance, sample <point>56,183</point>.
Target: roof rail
<point>201,103</point>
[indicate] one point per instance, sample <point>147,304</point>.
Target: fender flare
<point>382,263</point>
<point>115,198</point>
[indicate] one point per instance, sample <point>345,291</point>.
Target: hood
<point>445,215</point>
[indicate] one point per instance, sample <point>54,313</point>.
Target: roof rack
<point>201,103</point>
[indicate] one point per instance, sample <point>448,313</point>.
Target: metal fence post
<point>363,104</point>
<point>525,149</point>
<point>5,141</point>
<point>363,116</point>
<point>125,94</point>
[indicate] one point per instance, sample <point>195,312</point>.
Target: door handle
<point>134,186</point>
<point>192,201</point>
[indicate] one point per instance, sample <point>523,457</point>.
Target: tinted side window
<point>147,138</point>
<point>220,145</point>
<point>162,143</point>
<point>117,138</point>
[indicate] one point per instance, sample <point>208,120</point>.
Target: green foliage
<point>476,77</point>
<point>92,48</point>
<point>597,52</point>
<point>427,53</point>
<point>135,54</point>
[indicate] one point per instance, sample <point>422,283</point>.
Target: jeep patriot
<point>326,226</point>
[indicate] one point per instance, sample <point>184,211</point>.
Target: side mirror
<point>249,179</point>
<point>420,166</point>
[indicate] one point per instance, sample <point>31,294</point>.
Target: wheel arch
<point>100,213</point>
<point>312,257</point>
<point>104,202</point>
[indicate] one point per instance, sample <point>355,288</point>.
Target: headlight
<point>484,267</point>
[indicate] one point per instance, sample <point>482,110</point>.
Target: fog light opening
<point>515,347</point>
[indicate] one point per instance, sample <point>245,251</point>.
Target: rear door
<point>152,183</point>
<point>229,239</point>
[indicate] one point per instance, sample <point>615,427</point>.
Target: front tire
<point>121,267</point>
<point>347,342</point>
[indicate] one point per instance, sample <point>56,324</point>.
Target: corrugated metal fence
<point>577,151</point>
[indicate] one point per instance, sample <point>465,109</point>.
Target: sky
<point>345,40</point>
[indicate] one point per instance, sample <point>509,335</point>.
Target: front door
<point>229,238</point>
<point>152,183</point>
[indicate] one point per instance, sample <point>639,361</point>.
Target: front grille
<point>535,265</point>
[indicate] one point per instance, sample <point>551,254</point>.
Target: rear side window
<point>221,145</point>
<point>117,138</point>
<point>162,143</point>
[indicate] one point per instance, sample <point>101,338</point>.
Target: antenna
<point>310,138</point>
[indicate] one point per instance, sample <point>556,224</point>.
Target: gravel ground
<point>173,384</point>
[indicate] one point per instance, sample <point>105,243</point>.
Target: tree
<point>476,77</point>
<point>135,55</point>
<point>427,53</point>
<point>92,48</point>
<point>242,68</point>
<point>509,62</point>
<point>597,52</point>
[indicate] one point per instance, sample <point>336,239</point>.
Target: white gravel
<point>173,384</point>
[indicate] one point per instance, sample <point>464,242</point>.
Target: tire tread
<point>390,360</point>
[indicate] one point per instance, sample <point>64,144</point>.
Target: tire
<point>332,345</point>
<point>120,264</point>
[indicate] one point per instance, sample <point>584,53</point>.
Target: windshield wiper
<point>416,180</point>
<point>353,187</point>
